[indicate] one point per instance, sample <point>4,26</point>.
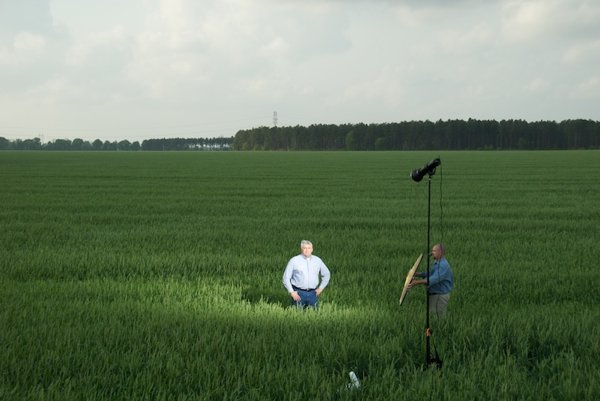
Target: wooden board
<point>409,277</point>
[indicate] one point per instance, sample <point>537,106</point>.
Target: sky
<point>139,69</point>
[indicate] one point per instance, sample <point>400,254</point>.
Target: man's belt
<point>302,289</point>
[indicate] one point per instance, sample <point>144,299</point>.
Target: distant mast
<point>275,119</point>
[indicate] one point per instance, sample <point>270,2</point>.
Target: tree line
<point>98,145</point>
<point>408,135</point>
<point>426,135</point>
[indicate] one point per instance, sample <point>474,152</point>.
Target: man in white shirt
<point>302,274</point>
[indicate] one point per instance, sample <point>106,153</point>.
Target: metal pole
<point>427,328</point>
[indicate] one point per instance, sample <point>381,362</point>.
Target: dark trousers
<point>307,299</point>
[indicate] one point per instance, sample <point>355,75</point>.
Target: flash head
<point>429,168</point>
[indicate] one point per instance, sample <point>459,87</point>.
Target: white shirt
<point>304,272</point>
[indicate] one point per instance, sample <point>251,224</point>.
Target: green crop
<point>157,276</point>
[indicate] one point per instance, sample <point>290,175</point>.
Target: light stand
<point>417,175</point>
<point>429,359</point>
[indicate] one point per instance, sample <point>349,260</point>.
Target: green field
<point>157,276</point>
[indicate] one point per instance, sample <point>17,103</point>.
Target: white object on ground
<point>355,383</point>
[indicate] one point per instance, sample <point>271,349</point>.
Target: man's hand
<point>319,291</point>
<point>295,296</point>
<point>416,282</point>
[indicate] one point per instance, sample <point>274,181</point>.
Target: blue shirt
<point>304,272</point>
<point>441,278</point>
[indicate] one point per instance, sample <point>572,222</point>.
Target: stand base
<point>435,363</point>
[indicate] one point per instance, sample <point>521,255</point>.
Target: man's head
<point>437,251</point>
<point>306,247</point>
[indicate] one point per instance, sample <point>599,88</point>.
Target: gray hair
<point>442,247</point>
<point>304,243</point>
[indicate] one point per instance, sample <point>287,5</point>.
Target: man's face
<point>436,252</point>
<point>307,250</point>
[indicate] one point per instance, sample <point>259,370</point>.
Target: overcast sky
<point>140,69</point>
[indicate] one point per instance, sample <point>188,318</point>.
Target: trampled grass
<point>158,275</point>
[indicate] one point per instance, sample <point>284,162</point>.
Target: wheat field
<point>157,275</point>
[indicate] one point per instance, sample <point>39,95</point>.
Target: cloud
<point>588,89</point>
<point>29,43</point>
<point>25,16</point>
<point>85,50</point>
<point>582,52</point>
<point>549,19</point>
<point>231,63</point>
<point>526,20</point>
<point>23,49</point>
<point>537,85</point>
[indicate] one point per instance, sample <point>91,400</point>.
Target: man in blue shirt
<point>301,277</point>
<point>441,281</point>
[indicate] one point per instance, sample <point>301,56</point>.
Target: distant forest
<point>426,135</point>
<point>125,145</point>
<point>410,135</point>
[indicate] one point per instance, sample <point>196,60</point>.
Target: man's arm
<point>287,280</point>
<point>287,276</point>
<point>325,276</point>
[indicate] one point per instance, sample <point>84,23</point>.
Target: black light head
<point>429,168</point>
